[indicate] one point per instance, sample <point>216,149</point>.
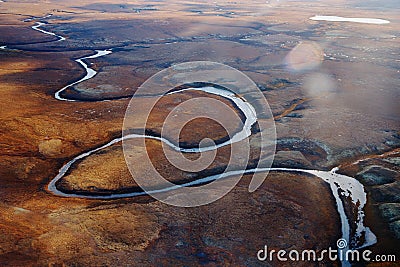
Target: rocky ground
<point>337,107</point>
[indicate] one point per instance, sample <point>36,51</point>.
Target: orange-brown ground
<point>39,134</point>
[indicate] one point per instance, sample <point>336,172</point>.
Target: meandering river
<point>90,73</point>
<point>340,185</point>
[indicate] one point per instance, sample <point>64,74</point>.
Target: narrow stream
<point>90,73</point>
<point>40,24</point>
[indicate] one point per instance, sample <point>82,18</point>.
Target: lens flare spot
<point>305,56</point>
<point>317,84</point>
